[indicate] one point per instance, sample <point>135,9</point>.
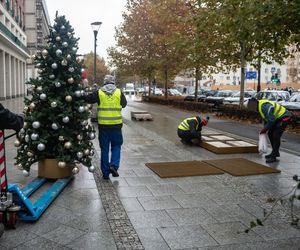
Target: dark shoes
<point>271,155</point>
<point>271,159</point>
<point>113,172</point>
<point>105,177</point>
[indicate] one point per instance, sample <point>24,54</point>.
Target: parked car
<point>271,95</point>
<point>174,92</point>
<point>235,98</point>
<point>191,97</point>
<point>293,103</point>
<point>219,97</point>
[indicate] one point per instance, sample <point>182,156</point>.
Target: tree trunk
<point>149,84</point>
<point>196,83</point>
<point>166,84</point>
<point>259,72</point>
<point>243,65</point>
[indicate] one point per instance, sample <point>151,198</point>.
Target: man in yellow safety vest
<point>276,118</point>
<point>110,102</point>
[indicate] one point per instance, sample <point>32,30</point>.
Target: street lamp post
<point>95,27</point>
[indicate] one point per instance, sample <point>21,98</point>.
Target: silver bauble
<point>41,146</point>
<point>74,49</point>
<point>79,155</point>
<point>92,169</point>
<point>39,89</point>
<point>82,92</point>
<point>25,124</point>
<point>54,65</point>
<point>30,154</point>
<point>53,104</point>
<point>79,137</point>
<point>57,84</point>
<point>65,44</point>
<point>66,119</point>
<point>40,71</point>
<point>32,106</point>
<point>54,126</point>
<point>75,170</point>
<point>58,52</point>
<point>68,145</point>
<point>62,164</point>
<point>43,96</point>
<point>61,138</point>
<point>86,152</point>
<point>69,34</point>
<point>36,124</point>
<point>64,62</point>
<point>69,57</point>
<point>71,69</point>
<point>45,53</point>
<point>22,131</point>
<point>71,80</point>
<point>86,108</point>
<point>62,27</point>
<point>58,38</point>
<point>25,109</point>
<point>51,76</point>
<point>25,173</point>
<point>84,123</point>
<point>26,138</point>
<point>17,143</point>
<point>34,136</point>
<point>92,135</point>
<point>77,93</point>
<point>80,109</point>
<point>68,98</point>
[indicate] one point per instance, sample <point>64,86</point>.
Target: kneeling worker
<point>276,118</point>
<point>190,128</point>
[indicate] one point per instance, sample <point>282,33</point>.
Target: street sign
<point>251,75</point>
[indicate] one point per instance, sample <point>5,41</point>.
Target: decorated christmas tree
<point>56,118</point>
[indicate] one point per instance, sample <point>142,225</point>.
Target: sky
<point>82,13</point>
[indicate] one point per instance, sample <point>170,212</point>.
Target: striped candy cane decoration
<point>2,162</point>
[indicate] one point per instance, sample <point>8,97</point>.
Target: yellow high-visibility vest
<point>184,124</point>
<point>110,109</point>
<point>278,109</point>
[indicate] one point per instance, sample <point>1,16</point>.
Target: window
<point>227,77</point>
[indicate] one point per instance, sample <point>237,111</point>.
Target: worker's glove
<point>263,131</point>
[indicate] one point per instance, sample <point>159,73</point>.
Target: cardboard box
<point>49,169</point>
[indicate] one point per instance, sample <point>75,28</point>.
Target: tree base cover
<point>49,169</point>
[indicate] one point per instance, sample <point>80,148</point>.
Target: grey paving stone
<point>126,173</point>
<point>40,243</point>
<point>119,182</point>
<point>190,216</point>
<point>226,247</point>
<point>63,235</point>
<point>194,200</point>
<point>39,227</point>
<point>158,203</point>
<point>186,237</point>
<point>165,189</point>
<point>94,240</point>
<point>86,194</point>
<point>144,171</point>
<point>197,187</point>
<point>288,244</point>
<point>127,192</point>
<point>231,233</point>
<point>146,219</point>
<point>141,181</point>
<point>132,204</point>
<point>13,238</point>
<point>151,239</point>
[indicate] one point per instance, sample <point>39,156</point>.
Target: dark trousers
<point>110,140</point>
<point>275,134</point>
<point>186,136</point>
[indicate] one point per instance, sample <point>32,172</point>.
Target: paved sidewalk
<point>139,210</point>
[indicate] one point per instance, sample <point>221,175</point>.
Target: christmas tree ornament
<point>63,27</point>
<point>44,53</point>
<point>68,145</point>
<point>65,44</point>
<point>69,57</point>
<point>36,124</point>
<point>32,106</point>
<point>80,109</point>
<point>66,119</point>
<point>39,89</point>
<point>33,57</point>
<point>22,131</point>
<point>30,154</point>
<point>75,170</point>
<point>78,59</point>
<point>17,143</point>
<point>34,136</point>
<point>92,169</point>
<point>64,62</point>
<point>61,138</point>
<point>71,80</point>
<point>92,136</point>
<point>25,125</point>
<point>77,93</point>
<point>41,146</point>
<point>79,137</point>
<point>92,152</point>
<point>25,109</point>
<point>53,104</point>
<point>27,138</point>
<point>71,69</point>
<point>19,166</point>
<point>74,49</point>
<point>58,38</point>
<point>82,92</point>
<point>54,126</point>
<point>58,52</point>
<point>25,173</point>
<point>86,108</point>
<point>54,65</point>
<point>40,71</point>
<point>68,98</point>
<point>43,96</point>
<point>51,76</point>
<point>84,123</point>
<point>86,152</point>
<point>57,84</point>
<point>79,155</point>
<point>62,164</point>
<point>69,34</point>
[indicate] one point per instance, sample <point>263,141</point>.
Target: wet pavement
<point>139,210</point>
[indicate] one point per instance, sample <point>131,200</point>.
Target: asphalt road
<point>167,119</point>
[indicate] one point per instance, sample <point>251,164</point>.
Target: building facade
<point>13,51</point>
<point>37,28</point>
